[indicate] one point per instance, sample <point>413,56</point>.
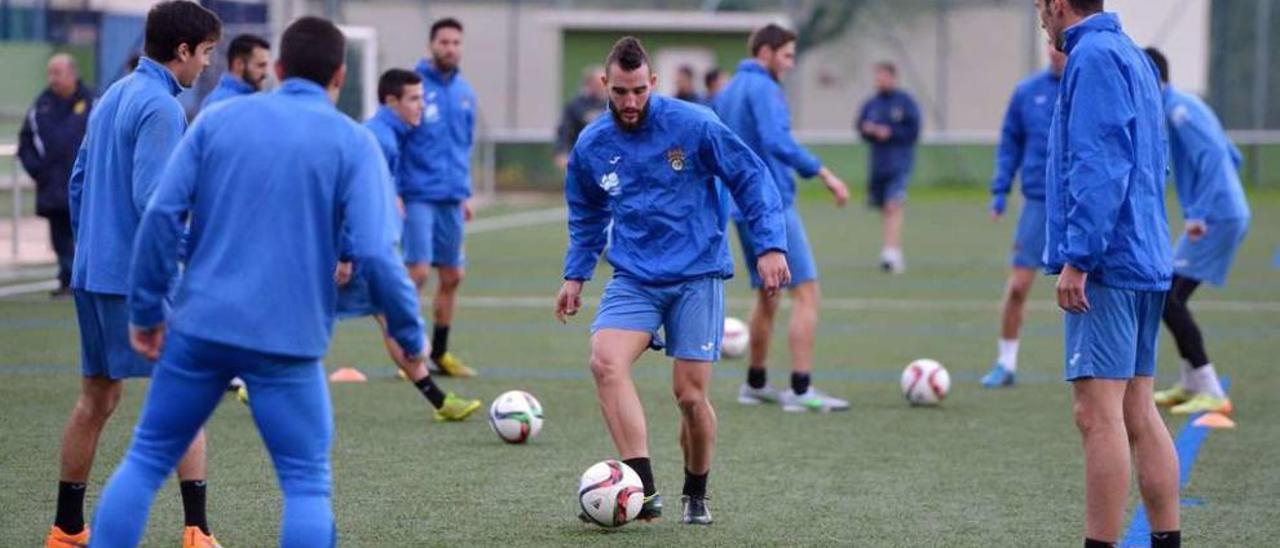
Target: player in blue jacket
<point>132,132</point>
<point>435,183</point>
<point>650,170</point>
<point>1107,239</point>
<point>754,107</point>
<point>1205,168</point>
<point>890,123</point>
<point>248,57</point>
<point>257,296</point>
<point>400,93</point>
<point>1024,136</point>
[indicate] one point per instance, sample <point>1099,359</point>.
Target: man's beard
<point>628,126</point>
<point>443,65</point>
<point>255,85</point>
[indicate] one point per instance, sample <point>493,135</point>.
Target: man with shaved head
<point>47,146</point>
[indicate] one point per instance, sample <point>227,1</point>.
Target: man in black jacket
<point>579,112</point>
<point>47,146</point>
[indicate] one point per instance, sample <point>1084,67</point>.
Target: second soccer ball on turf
<point>610,494</point>
<point>516,416</point>
<point>925,382</point>
<point>736,338</point>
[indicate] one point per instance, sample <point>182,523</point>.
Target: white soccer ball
<point>925,382</point>
<point>610,493</point>
<point>516,416</point>
<point>736,338</point>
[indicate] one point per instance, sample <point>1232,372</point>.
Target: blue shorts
<point>799,254</point>
<point>1117,337</point>
<point>887,188</point>
<point>104,337</point>
<point>433,233</point>
<point>1209,259</point>
<point>354,299</point>
<point>691,314</point>
<point>1028,238</point>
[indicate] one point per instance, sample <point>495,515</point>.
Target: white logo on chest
<point>611,184</point>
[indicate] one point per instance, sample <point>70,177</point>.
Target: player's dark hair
<point>242,47</point>
<point>1085,7</point>
<point>628,53</point>
<point>709,79</point>
<point>393,81</point>
<point>686,70</point>
<point>772,35</point>
<point>888,67</point>
<point>1162,63</point>
<point>312,48</point>
<point>176,22</point>
<point>446,23</point>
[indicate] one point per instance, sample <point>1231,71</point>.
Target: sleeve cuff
<point>146,318</point>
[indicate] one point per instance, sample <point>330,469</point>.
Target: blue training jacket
<point>1104,192</point>
<point>1024,136</point>
<point>436,165</point>
<point>229,86</point>
<point>1205,162</point>
<point>754,106</point>
<point>265,227</point>
<point>897,155</point>
<point>657,186</point>
<point>132,131</point>
<point>391,133</point>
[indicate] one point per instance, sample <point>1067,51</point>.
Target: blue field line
<point>1188,443</point>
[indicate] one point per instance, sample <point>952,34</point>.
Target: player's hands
<point>467,212</point>
<point>147,342</point>
<point>569,301</point>
<point>1196,229</point>
<point>562,161</point>
<point>884,133</point>
<point>868,128</point>
<point>342,274</point>
<point>400,207</point>
<point>998,204</point>
<point>839,191</point>
<point>1071,295</point>
<point>773,271</point>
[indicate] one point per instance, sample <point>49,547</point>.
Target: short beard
<point>626,126</point>
<point>441,65</point>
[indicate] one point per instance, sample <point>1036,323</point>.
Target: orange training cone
<point>347,374</point>
<point>1215,420</point>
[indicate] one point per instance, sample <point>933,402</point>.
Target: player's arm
<point>864,126</point>
<point>755,194</point>
<point>1210,161</point>
<point>158,244</point>
<point>773,124</point>
<point>31,151</point>
<point>75,186</point>
<point>1008,154</point>
<point>565,129</point>
<point>368,211</point>
<point>1101,160</point>
<point>158,134</point>
<point>589,215</point>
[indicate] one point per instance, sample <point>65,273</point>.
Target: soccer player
<point>715,80</point>
<point>132,132</point>
<point>435,183</point>
<point>400,93</point>
<point>248,58</point>
<point>270,320</point>
<point>1205,165</point>
<point>1024,136</point>
<point>649,169</point>
<point>582,110</point>
<point>1107,240</point>
<point>890,123</point>
<point>754,107</point>
<point>685,88</point>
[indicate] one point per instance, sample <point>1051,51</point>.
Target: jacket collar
<point>235,83</point>
<point>304,89</point>
<point>1099,22</point>
<point>159,73</point>
<point>392,120</point>
<point>754,66</point>
<point>429,70</point>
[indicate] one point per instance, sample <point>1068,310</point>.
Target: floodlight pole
<point>1261,77</point>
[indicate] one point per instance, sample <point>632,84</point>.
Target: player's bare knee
<point>98,399</point>
<point>1091,420</point>
<point>1019,290</point>
<point>450,279</point>
<point>605,368</point>
<point>766,304</point>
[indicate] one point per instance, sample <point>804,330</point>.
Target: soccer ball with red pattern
<point>516,416</point>
<point>925,382</point>
<point>610,494</point>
